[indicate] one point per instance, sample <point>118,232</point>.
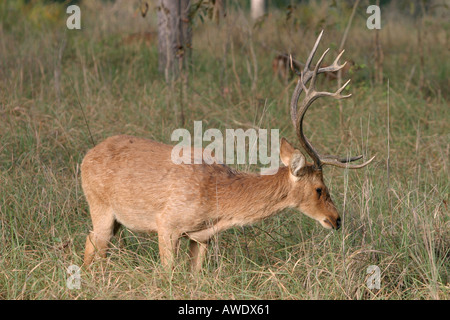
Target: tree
<point>174,37</point>
<point>257,8</point>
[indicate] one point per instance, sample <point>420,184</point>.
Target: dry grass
<point>403,227</point>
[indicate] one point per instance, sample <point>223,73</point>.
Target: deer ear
<point>298,161</point>
<point>286,151</point>
<point>291,157</point>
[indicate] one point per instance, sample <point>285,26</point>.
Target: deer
<point>280,67</point>
<point>132,181</point>
<point>140,38</point>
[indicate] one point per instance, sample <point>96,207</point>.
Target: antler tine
<point>291,62</point>
<point>337,95</point>
<point>316,69</point>
<point>345,160</point>
<point>342,163</point>
<point>335,66</point>
<point>313,52</point>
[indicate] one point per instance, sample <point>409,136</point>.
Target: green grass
<point>402,227</point>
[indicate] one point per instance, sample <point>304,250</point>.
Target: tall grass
<point>401,227</point>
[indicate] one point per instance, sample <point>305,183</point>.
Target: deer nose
<point>338,223</point>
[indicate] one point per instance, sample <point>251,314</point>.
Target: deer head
<point>309,192</point>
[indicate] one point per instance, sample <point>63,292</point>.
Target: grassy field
<point>395,213</point>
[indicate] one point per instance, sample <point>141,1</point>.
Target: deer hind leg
<point>197,253</point>
<point>104,226</point>
<point>198,246</point>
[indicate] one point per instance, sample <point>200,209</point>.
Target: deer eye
<point>319,191</point>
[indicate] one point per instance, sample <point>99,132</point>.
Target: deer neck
<point>246,198</point>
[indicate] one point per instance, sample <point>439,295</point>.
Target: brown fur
<point>147,38</point>
<point>281,68</point>
<point>132,181</point>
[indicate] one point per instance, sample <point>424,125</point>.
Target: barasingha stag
<point>133,182</point>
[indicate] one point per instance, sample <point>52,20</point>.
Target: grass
<point>401,226</point>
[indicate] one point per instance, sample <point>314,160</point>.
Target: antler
<point>311,95</point>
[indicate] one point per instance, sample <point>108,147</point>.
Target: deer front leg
<point>168,245</point>
<point>103,229</point>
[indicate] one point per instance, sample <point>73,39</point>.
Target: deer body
<point>133,182</point>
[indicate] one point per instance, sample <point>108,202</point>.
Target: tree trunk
<point>379,56</point>
<point>258,8</point>
<point>218,10</point>
<point>174,37</point>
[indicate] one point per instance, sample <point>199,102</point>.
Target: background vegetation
<point>395,213</point>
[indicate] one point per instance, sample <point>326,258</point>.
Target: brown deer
<point>140,38</point>
<point>282,67</point>
<point>133,182</point>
